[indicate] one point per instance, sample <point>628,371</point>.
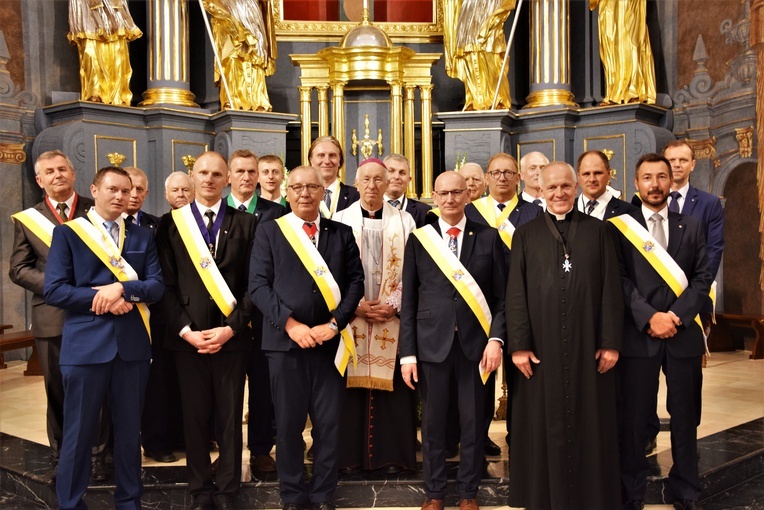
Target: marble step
<point>726,460</point>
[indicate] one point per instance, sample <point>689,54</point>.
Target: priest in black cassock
<point>564,310</point>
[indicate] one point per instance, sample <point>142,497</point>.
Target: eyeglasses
<point>376,180</point>
<point>507,174</point>
<point>456,193</point>
<point>299,188</point>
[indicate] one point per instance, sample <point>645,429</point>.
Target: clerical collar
<point>368,214</point>
<point>561,217</point>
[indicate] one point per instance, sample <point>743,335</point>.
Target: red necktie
<point>311,230</point>
<point>453,232</point>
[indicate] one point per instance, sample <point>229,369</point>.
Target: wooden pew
<point>730,329</point>
<point>10,341</point>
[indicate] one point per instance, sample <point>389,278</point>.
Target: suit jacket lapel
<point>468,243</point>
<point>223,233</point>
<point>690,200</point>
<point>676,231</point>
<point>323,239</point>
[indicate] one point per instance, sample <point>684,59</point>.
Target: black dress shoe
<point>634,504</point>
<point>687,504</point>
<point>492,448</point>
<point>202,502</point>
<point>392,469</point>
<point>325,506</point>
<point>352,470</point>
<point>224,502</point>
<point>100,471</point>
<point>292,506</point>
<point>161,456</point>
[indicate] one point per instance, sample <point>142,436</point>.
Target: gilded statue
<point>474,46</point>
<point>244,36</point>
<point>625,51</point>
<point>101,30</point>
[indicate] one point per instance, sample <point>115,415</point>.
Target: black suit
<point>304,381</point>
<point>347,196</point>
<point>260,403</point>
<point>210,383</point>
<point>431,310</point>
<point>27,269</point>
<point>522,213</point>
<point>418,210</point>
<point>162,419</point>
<point>616,207</point>
<point>642,356</point>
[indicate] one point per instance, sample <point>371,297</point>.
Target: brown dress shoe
<point>432,504</point>
<point>468,504</point>
<point>263,464</point>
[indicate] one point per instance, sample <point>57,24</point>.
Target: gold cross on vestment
<point>356,336</point>
<point>384,338</point>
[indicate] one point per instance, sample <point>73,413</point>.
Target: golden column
<point>338,120</point>
<point>323,111</point>
<point>409,136</point>
<point>168,55</point>
<point>425,92</point>
<point>396,108</point>
<point>305,122</point>
<point>757,43</point>
<point>550,54</point>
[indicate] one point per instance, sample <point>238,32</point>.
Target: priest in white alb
<point>378,422</point>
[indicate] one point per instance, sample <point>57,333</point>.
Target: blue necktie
<point>674,205</point>
<point>113,230</point>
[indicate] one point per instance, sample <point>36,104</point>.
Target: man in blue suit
<point>103,271</point>
<point>301,332</point>
<point>502,177</point>
<point>686,199</point>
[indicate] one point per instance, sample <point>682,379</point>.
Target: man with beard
<point>666,280</point>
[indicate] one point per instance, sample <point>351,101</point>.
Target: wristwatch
<point>333,326</point>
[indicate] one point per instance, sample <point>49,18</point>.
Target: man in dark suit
<point>301,332</point>
<point>502,177</point>
<point>54,173</point>
<point>442,336</point>
<point>156,437</point>
<point>660,330</point>
<point>103,271</point>
<point>326,155</point>
<point>399,177</point>
<point>243,176</point>
<point>133,212</point>
<point>204,249</point>
<point>593,169</point>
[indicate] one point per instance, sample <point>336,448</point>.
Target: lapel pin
<point>470,232</point>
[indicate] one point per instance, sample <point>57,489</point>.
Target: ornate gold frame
<point>325,31</point>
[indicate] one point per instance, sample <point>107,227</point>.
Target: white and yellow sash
<point>95,237</point>
<point>656,256</point>
<point>487,210</point>
<point>377,343</point>
<point>291,227</point>
<point>37,223</point>
<point>459,277</point>
<point>203,261</point>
